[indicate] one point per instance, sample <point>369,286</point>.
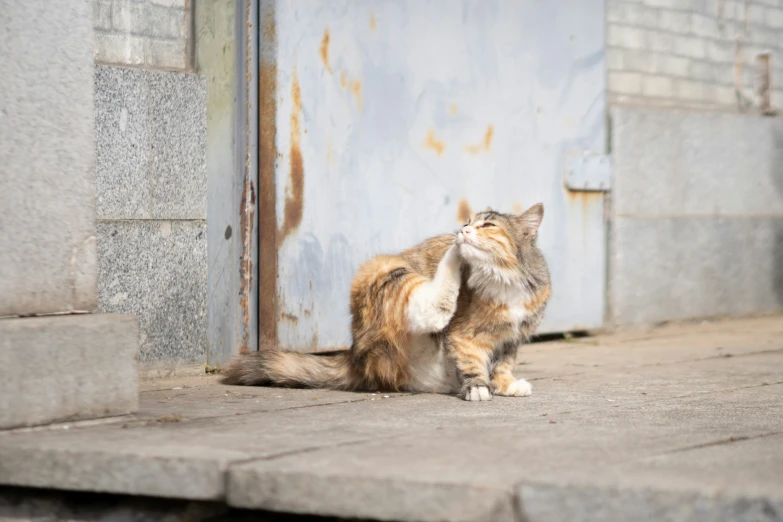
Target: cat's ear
<point>489,209</point>
<point>529,220</point>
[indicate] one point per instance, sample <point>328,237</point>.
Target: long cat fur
<point>447,315</point>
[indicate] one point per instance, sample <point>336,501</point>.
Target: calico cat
<point>444,316</point>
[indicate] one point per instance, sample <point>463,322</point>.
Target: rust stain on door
<point>294,200</point>
<point>289,317</point>
<point>463,211</point>
<point>325,50</point>
<point>356,90</point>
<point>267,211</point>
<point>431,142</point>
<point>484,145</point>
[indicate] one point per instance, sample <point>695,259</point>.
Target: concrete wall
<point>690,52</point>
<point>144,33</point>
<point>67,366</point>
<point>46,103</point>
<point>697,215</point>
<point>150,139</point>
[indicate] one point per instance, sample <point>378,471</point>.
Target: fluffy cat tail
<point>291,370</point>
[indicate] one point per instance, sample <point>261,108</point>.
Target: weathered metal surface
<point>267,159</point>
<point>395,119</point>
<point>226,54</point>
<point>588,172</point>
<point>247,156</point>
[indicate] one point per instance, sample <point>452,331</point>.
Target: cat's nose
<point>468,230</point>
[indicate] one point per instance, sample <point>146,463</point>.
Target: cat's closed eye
<point>487,224</point>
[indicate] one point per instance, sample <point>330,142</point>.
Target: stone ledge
<point>67,367</point>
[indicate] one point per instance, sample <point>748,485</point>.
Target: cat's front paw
<point>476,393</point>
<point>518,388</point>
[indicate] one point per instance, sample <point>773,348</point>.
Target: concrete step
<point>67,367</point>
<point>683,423</point>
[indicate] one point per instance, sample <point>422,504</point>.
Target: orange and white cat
<point>447,315</point>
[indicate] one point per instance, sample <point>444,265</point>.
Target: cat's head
<point>503,245</point>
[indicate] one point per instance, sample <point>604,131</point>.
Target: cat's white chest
<point>517,315</point>
<point>510,295</point>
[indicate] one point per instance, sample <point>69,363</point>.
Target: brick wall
<point>692,53</point>
<point>154,34</point>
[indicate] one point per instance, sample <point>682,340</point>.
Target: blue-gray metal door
<point>393,120</point>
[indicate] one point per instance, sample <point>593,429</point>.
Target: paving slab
<point>211,400</point>
<point>451,459</point>
<point>634,349</point>
<point>676,429</point>
<point>167,455</point>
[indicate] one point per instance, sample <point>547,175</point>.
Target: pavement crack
<point>143,421</point>
<point>721,442</point>
<point>724,390</point>
<point>300,451</point>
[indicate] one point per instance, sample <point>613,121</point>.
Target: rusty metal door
<point>383,123</point>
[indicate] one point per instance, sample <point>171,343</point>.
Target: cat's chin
<point>470,251</point>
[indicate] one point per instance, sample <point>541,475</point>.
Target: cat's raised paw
<point>518,388</point>
<point>477,393</point>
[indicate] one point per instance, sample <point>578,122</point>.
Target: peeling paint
<point>247,205</point>
<point>433,143</point>
<point>246,217</point>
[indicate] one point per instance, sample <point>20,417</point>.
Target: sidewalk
<point>679,423</point>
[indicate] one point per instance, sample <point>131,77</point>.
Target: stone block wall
<point>697,215</point>
<point>696,226</point>
<point>151,184</point>
<point>692,53</point>
<point>154,34</point>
